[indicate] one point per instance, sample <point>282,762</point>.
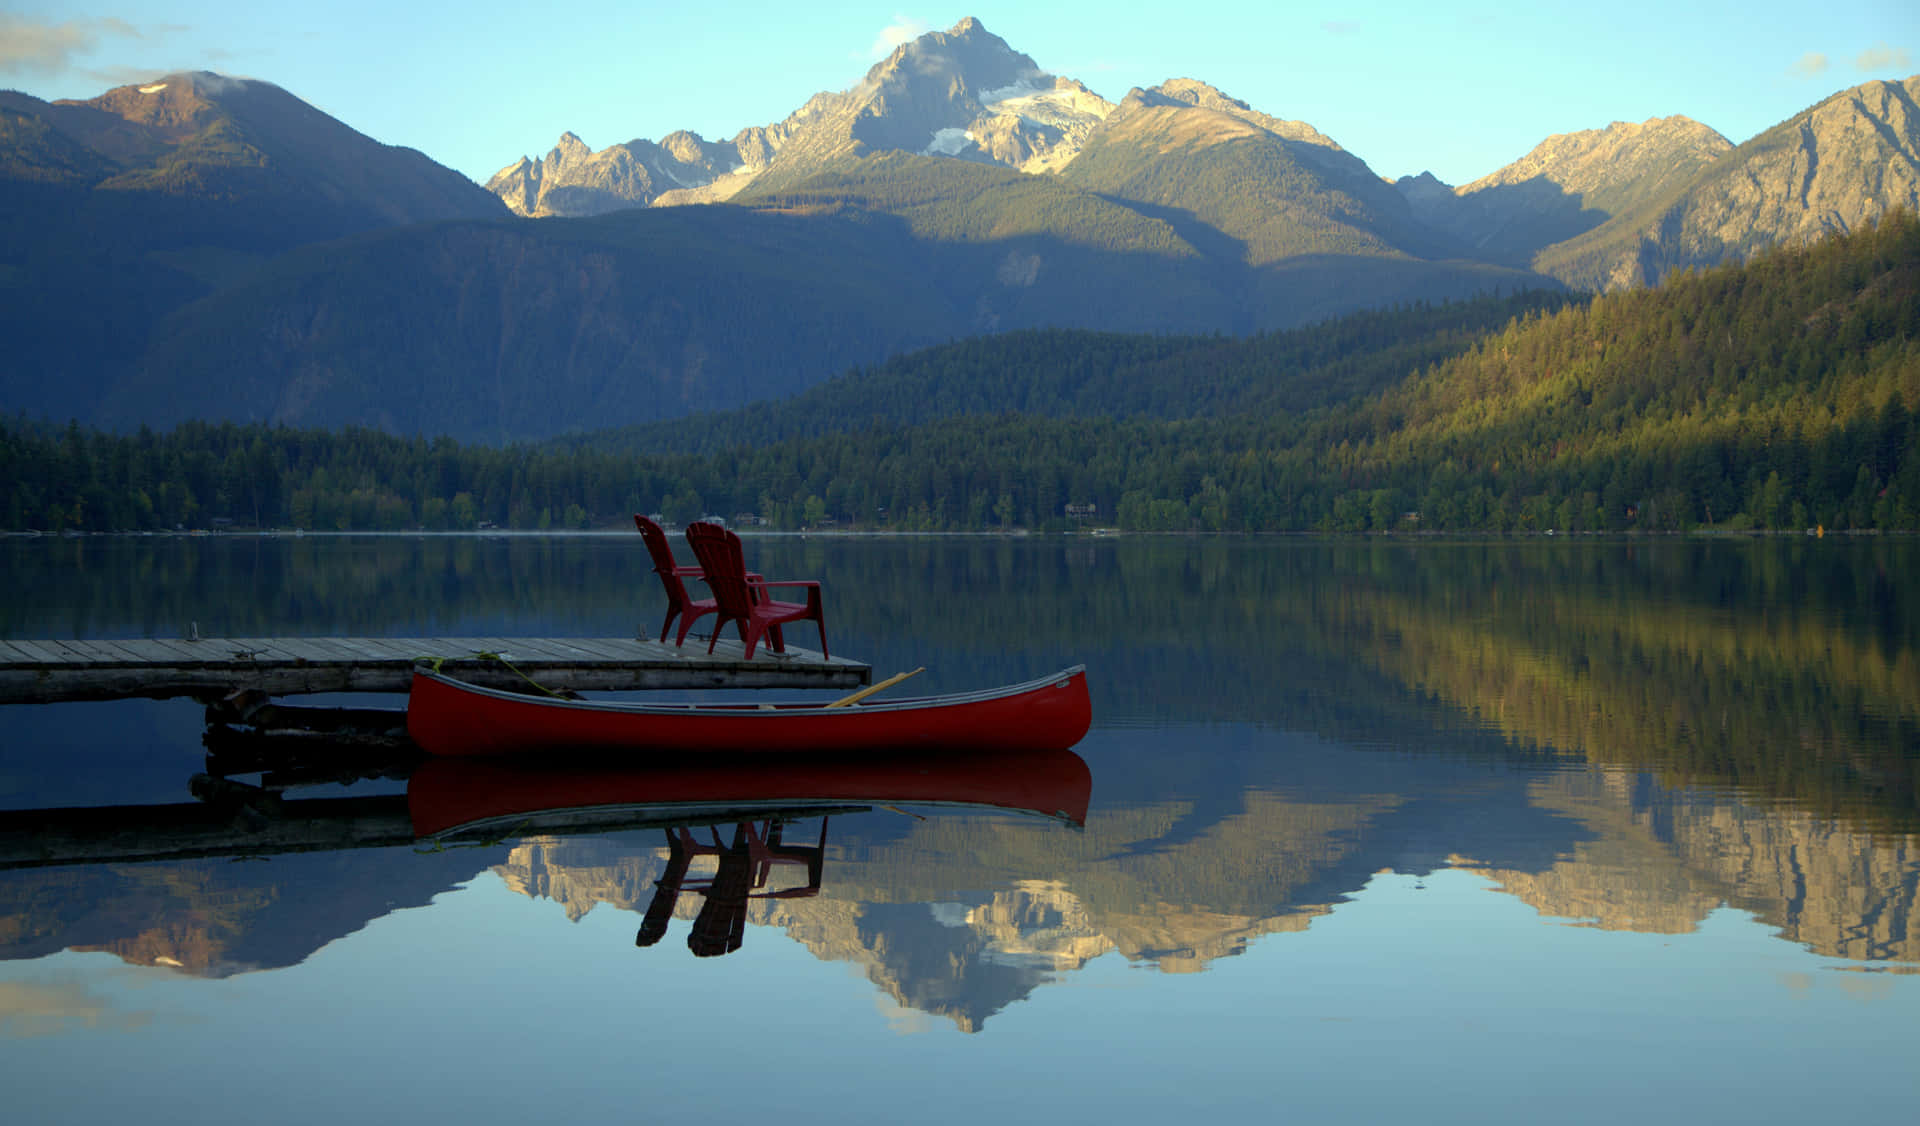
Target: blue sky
<point>1457,89</point>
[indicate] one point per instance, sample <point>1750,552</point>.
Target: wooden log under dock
<point>36,672</point>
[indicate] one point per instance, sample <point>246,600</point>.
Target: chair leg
<point>666,894</point>
<point>686,627</point>
<point>720,624</point>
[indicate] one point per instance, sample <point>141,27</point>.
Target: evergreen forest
<point>1776,394</point>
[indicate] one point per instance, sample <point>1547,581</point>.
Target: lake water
<point>1383,830</point>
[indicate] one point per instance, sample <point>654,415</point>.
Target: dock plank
<point>614,649</point>
<point>40,670</point>
<point>154,649</point>
<point>38,653</point>
<point>382,649</point>
<point>504,646</point>
<point>461,647</point>
<point>547,652</point>
<point>601,650</point>
<point>123,652</point>
<point>176,648</point>
<point>337,649</point>
<point>539,649</point>
<point>292,649</point>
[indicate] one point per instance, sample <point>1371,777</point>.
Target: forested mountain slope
<point>116,210</point>
<point>524,329</point>
<point>1062,373</point>
<point>1779,394</point>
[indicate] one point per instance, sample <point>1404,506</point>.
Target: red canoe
<point>450,717</point>
<point>448,795</point>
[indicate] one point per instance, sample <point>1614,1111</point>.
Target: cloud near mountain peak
<point>903,29</point>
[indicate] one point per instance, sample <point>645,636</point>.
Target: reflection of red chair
<point>672,576</point>
<point>742,868</point>
<point>742,597</point>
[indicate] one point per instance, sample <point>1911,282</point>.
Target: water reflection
<point>961,915</point>
<point>740,874</point>
<point>1625,737</point>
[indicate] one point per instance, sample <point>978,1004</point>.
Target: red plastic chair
<point>742,597</point>
<point>673,576</point>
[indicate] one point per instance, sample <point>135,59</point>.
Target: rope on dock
<point>434,663</point>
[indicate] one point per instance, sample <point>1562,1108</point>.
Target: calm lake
<point>1382,830</point>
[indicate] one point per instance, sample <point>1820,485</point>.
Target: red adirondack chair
<point>672,577</point>
<point>742,597</point>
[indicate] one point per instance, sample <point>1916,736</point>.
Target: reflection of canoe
<point>445,795</point>
<point>450,717</point>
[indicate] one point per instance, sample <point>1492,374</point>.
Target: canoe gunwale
<point>787,710</point>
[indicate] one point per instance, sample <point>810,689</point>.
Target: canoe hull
<point>449,717</point>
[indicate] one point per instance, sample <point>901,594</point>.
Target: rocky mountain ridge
<point>202,133</point>
<point>1837,166</point>
<point>574,180</point>
<point>962,93</point>
<point>167,253</point>
<point>1596,209</point>
<point>954,93</point>
<point>1567,185</point>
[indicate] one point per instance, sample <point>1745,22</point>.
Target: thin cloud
<point>39,48</point>
<point>903,29</point>
<point>1882,57</point>
<point>1341,27</point>
<point>1813,64</point>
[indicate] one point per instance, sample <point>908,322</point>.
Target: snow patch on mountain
<point>949,142</point>
<point>1063,106</point>
<point>1026,87</point>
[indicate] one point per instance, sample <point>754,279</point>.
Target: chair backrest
<point>725,564</point>
<point>657,545</point>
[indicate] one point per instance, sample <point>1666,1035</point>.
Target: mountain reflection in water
<point>1624,736</point>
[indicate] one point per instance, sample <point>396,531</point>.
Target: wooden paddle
<point>872,688</point>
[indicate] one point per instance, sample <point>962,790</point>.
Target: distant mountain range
<point>200,247</point>
<point>1597,209</point>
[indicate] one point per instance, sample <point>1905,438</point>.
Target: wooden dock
<point>36,672</point>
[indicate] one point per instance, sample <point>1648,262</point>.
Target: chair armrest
<point>759,588</point>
